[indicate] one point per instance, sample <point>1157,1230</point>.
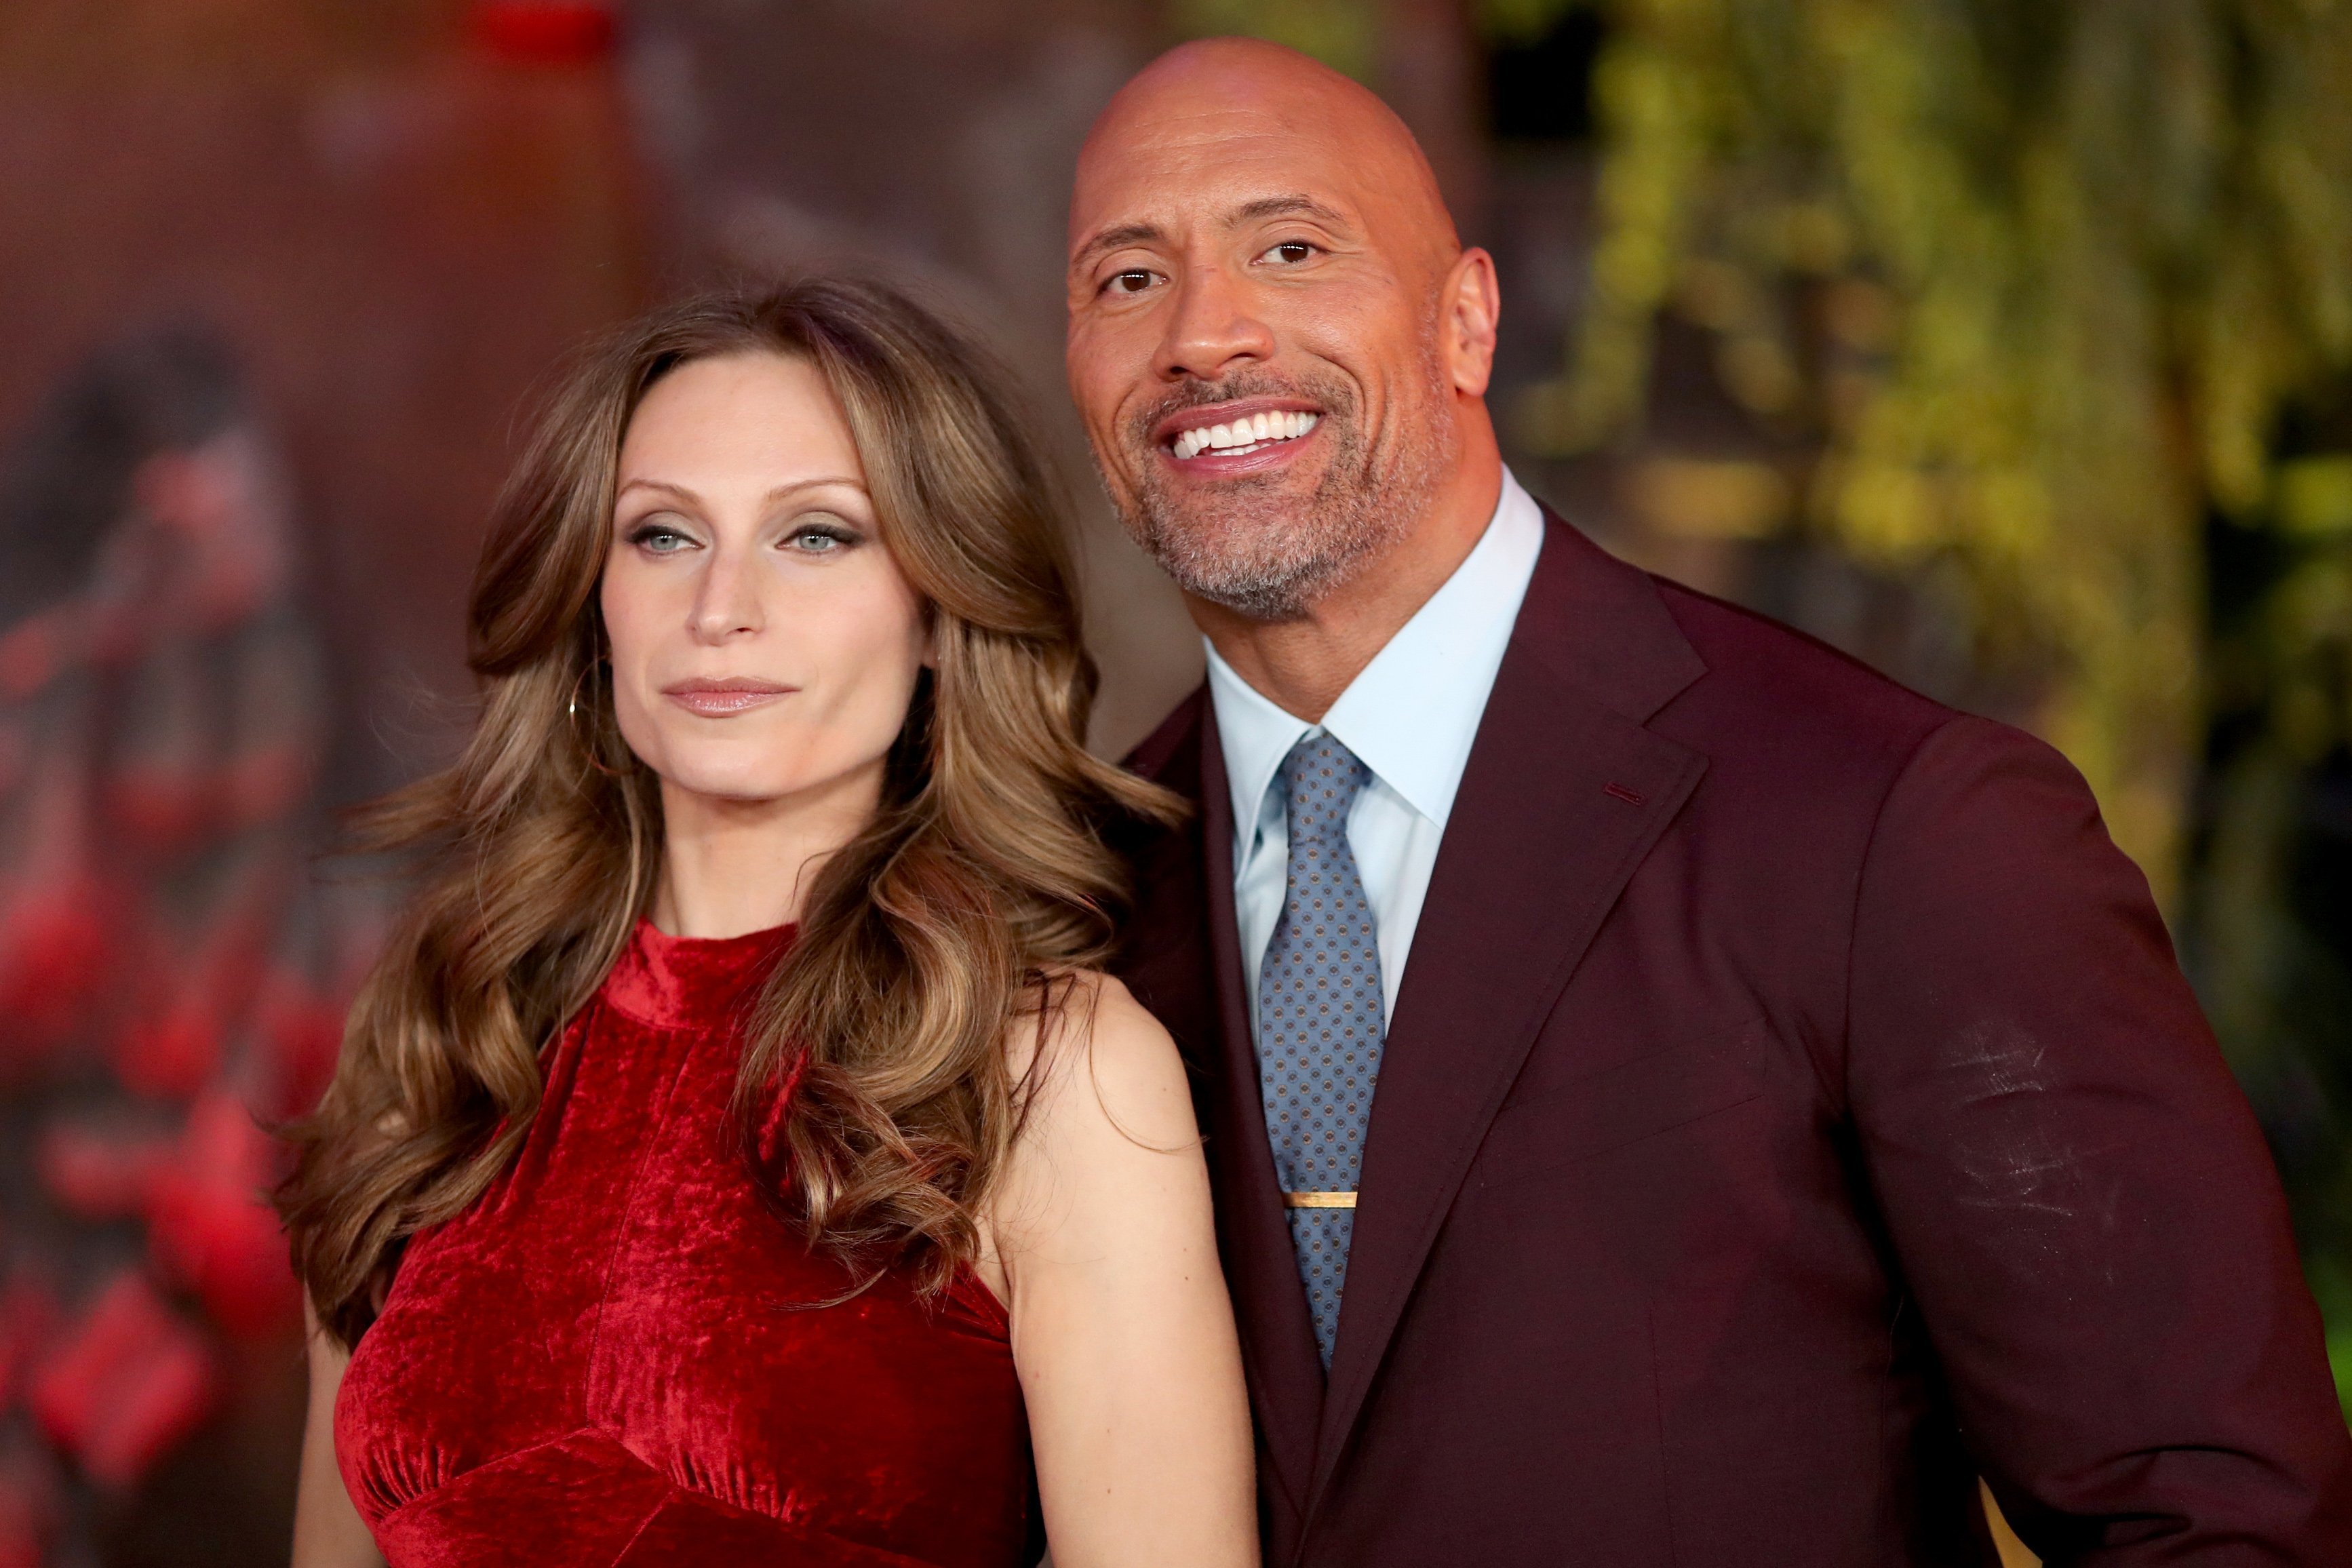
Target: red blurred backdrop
<point>278,276</point>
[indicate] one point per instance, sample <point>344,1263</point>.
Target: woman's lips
<point>718,699</point>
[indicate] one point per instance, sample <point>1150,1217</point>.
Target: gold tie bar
<point>1318,1200</point>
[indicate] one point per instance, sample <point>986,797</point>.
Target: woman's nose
<point>727,601</point>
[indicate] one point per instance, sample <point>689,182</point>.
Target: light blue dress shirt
<point>1411,716</point>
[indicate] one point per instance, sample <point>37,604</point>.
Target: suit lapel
<point>1564,794</point>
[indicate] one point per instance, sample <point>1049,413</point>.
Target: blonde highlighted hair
<point>979,881</point>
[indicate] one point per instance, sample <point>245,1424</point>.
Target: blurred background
<point>2005,343</point>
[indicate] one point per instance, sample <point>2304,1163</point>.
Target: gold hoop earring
<point>588,745</point>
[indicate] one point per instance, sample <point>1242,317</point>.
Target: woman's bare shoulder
<point>1105,1057</point>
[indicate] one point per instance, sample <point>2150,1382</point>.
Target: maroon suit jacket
<point>1792,1111</point>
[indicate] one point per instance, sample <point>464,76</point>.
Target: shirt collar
<point>1413,713</point>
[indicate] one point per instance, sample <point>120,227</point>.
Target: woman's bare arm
<point>1121,1329</point>
<point>328,1533</point>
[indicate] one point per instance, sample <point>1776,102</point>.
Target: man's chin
<point>1280,504</point>
<point>1264,545</point>
<point>1263,585</point>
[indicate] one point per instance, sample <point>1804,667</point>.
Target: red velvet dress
<point>601,1361</point>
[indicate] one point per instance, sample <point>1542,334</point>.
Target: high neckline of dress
<point>681,982</point>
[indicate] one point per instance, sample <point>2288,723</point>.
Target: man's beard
<point>1256,548</point>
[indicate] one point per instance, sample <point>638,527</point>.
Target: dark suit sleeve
<point>2081,1204</point>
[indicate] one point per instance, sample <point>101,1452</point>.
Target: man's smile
<point>1241,436</point>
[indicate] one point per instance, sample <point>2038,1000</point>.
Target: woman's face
<point>765,643</point>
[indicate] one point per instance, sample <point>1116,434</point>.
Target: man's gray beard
<point>1269,557</point>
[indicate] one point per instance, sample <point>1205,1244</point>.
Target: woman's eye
<point>1290,252</point>
<point>819,539</point>
<point>1134,281</point>
<point>659,539</point>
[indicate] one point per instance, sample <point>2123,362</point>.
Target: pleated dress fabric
<point>613,1357</point>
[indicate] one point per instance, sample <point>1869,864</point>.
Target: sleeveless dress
<point>609,1360</point>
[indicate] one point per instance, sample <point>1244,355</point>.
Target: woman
<point>737,1156</point>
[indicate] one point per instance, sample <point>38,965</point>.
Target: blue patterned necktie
<point>1319,1024</point>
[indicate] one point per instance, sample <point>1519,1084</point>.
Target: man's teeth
<point>1246,435</point>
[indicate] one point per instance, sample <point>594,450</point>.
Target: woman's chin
<point>734,785</point>
<point>724,790</point>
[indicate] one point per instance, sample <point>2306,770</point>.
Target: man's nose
<point>1211,327</point>
<point>726,600</point>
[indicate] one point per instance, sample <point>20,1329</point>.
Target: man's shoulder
<point>1805,734</point>
<point>1771,686</point>
<point>1716,675</point>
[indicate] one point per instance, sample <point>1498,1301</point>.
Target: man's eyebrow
<point>1299,205</point>
<point>1112,238</point>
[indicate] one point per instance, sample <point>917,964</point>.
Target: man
<point>1674,1096</point>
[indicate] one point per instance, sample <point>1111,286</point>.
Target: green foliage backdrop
<point>2043,276</point>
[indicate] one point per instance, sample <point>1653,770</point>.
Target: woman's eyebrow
<point>664,485</point>
<point>682,492</point>
<point>847,481</point>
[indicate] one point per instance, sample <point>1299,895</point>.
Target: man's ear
<point>1472,301</point>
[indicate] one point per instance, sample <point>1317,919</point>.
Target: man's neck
<point>1303,664</point>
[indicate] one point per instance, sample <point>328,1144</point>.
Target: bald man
<point>1674,1096</point>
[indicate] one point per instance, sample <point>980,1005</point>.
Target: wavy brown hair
<point>876,1098</point>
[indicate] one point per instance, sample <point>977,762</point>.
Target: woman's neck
<point>733,867</point>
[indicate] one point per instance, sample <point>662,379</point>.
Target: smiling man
<point>1674,1096</point>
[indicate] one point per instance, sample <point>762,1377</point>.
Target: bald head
<point>1223,98</point>
<point>1278,345</point>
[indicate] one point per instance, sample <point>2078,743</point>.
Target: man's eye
<point>1290,252</point>
<point>1134,281</point>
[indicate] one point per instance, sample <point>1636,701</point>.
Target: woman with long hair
<point>736,1155</point>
